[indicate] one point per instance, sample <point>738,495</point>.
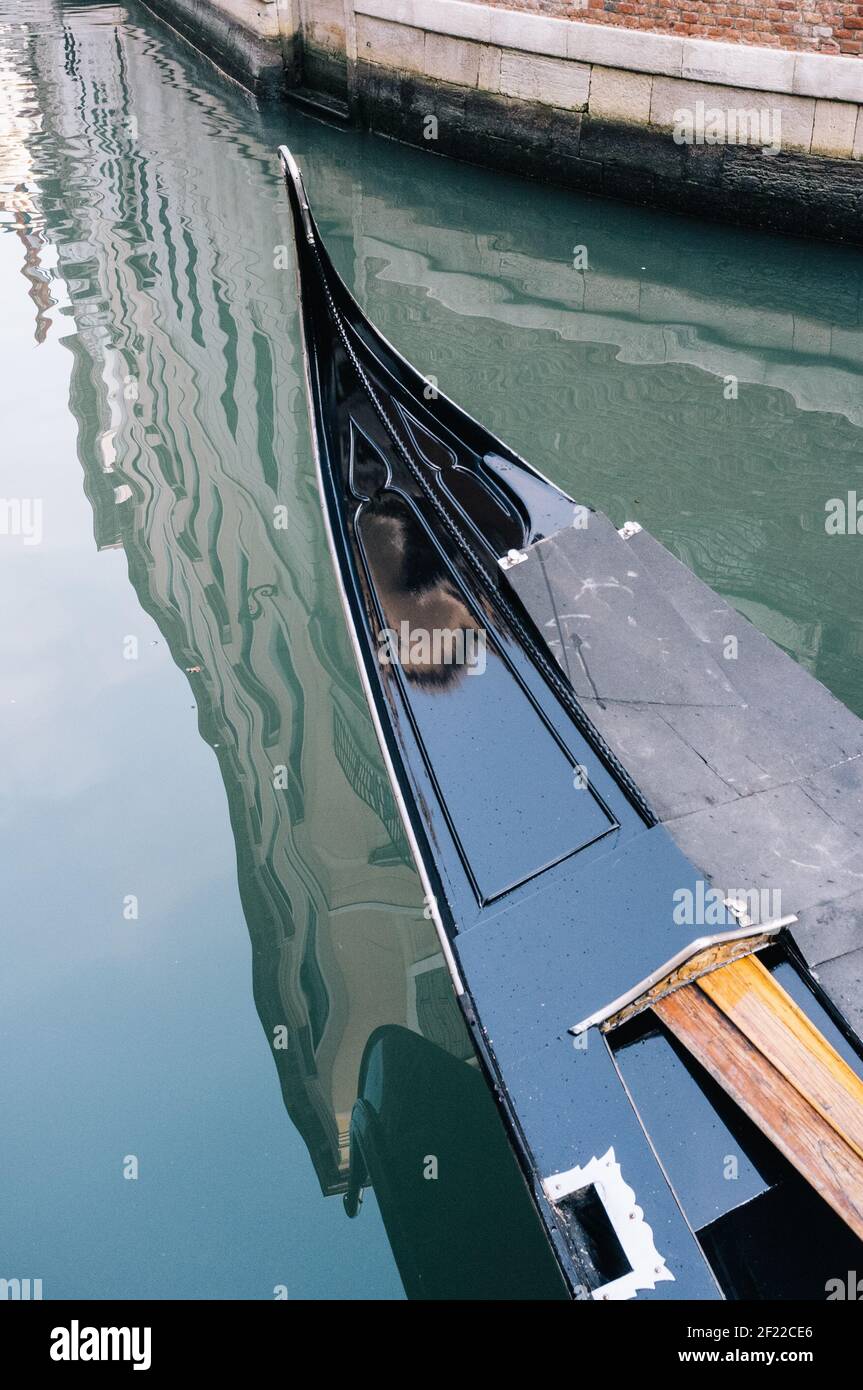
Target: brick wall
<point>824,26</point>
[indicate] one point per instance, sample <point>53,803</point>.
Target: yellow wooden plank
<point>832,1167</point>
<point>758,1005</point>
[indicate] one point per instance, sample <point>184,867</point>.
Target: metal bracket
<point>512,557</point>
<point>670,971</point>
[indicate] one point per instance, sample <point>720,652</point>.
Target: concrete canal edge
<point>769,136</point>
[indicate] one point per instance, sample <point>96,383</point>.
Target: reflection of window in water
<point>369,783</point>
<point>433,1009</point>
<point>312,982</point>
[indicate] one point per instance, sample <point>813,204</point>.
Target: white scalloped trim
<point>648,1267</point>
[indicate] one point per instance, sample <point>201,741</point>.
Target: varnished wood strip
<point>814,1148</point>
<point>758,1005</point>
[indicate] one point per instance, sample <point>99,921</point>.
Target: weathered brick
<point>757,21</point>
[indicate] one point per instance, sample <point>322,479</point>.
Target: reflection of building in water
<point>166,212</point>
<point>20,121</point>
<point>193,436</point>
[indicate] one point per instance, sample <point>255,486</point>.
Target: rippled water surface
<point>208,905</point>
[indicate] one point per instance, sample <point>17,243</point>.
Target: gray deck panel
<point>753,765</point>
<point>748,748</point>
<point>839,791</point>
<point>679,777</point>
<point>843,981</point>
<point>830,930</point>
<point>779,840</point>
<point>764,676</point>
<point>616,634</point>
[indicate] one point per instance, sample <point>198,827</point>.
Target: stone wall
<point>822,26</point>
<point>323,24</point>
<point>764,135</point>
<point>256,41</point>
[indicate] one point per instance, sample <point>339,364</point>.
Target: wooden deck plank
<point>758,1005</point>
<point>826,1161</point>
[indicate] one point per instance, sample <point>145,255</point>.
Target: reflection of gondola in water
<point>426,1134</point>
<point>550,878</point>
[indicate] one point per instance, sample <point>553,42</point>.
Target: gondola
<point>679,1088</point>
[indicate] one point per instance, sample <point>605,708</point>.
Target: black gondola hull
<point>547,873</point>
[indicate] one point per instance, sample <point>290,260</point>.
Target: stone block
<point>390,45</point>
<point>794,116</point>
<point>758,69</point>
<point>616,95</point>
<point>551,81</point>
<point>619,48</point>
<point>831,78</point>
<point>488,79</point>
<point>451,60</point>
<point>529,33</point>
<point>834,128</point>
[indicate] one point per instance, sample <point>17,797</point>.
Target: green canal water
<point>208,909</point>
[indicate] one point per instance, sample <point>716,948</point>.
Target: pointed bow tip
<point>291,171</point>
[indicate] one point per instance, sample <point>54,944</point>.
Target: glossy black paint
<point>552,882</point>
<point>481,744</point>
